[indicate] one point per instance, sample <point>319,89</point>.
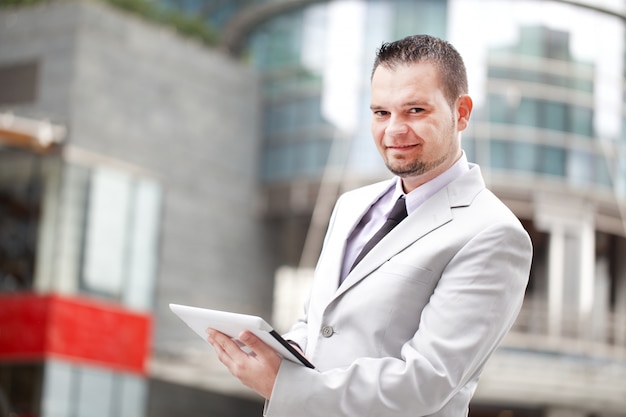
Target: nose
<point>396,126</point>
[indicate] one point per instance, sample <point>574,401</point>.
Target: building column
<point>556,259</point>
<point>620,297</point>
<point>571,263</point>
<point>587,265</point>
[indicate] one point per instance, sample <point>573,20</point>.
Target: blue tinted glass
<point>552,160</point>
<point>499,153</point>
<point>581,120</point>
<point>603,171</point>
<point>555,116</point>
<point>523,156</point>
<point>499,111</point>
<point>527,112</point>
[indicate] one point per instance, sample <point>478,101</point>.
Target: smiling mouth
<point>401,147</point>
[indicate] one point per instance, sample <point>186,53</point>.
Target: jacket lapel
<point>349,213</point>
<point>433,213</point>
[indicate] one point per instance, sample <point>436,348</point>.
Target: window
<point>552,160</point>
<point>94,396</point>
<point>108,217</point>
<point>121,224</point>
<point>20,387</point>
<point>580,167</point>
<point>581,120</point>
<point>499,110</point>
<point>555,116</point>
<point>524,156</point>
<point>20,206</point>
<point>499,153</point>
<point>19,82</point>
<point>527,112</point>
<point>77,390</point>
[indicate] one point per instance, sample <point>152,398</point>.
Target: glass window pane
<point>498,109</point>
<point>499,154</point>
<point>555,115</point>
<point>21,184</point>
<point>132,396</point>
<point>603,171</point>
<point>527,112</point>
<point>21,385</point>
<point>106,232</point>
<point>524,157</point>
<point>581,119</point>
<point>58,388</point>
<point>63,245</point>
<point>94,392</point>
<point>552,160</point>
<point>580,167</point>
<point>143,245</point>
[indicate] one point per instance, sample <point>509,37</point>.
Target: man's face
<point>415,129</point>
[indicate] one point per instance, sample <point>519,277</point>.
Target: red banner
<point>76,329</point>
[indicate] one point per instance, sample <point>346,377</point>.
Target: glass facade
<point>316,64</point>
<point>547,91</point>
<point>546,102</point>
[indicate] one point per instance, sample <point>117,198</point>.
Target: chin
<point>405,172</point>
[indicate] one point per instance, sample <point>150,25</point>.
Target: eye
<point>416,110</point>
<point>381,113</point>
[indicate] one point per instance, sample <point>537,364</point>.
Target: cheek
<point>427,130</point>
<point>422,131</point>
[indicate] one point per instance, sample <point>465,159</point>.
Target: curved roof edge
<point>244,21</point>
<point>248,18</point>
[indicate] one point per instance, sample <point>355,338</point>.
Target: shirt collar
<point>422,193</point>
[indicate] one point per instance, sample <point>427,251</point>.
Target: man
<point>406,329</point>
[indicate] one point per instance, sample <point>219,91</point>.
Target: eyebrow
<point>418,103</point>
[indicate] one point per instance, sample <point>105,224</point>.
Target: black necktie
<point>398,213</point>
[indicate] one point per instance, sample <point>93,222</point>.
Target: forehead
<point>402,80</point>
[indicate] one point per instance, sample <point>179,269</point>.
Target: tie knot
<point>398,212</point>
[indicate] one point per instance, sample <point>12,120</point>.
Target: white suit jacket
<point>411,327</point>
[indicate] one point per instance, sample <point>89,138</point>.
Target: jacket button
<point>327,331</point>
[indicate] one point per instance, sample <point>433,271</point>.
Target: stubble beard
<point>413,168</point>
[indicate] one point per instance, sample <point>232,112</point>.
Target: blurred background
<point>190,151</point>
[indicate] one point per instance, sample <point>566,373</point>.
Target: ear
<point>464,105</point>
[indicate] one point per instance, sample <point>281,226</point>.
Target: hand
<point>256,370</point>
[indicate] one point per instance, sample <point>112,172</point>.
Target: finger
<point>252,341</point>
<point>256,371</point>
<point>260,348</point>
<point>219,341</point>
<point>225,346</point>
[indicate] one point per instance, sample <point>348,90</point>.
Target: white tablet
<point>232,324</point>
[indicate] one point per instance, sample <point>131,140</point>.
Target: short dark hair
<point>425,48</point>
